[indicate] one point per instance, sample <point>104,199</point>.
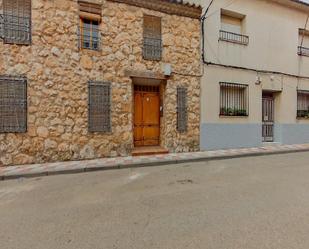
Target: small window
<point>152,48</point>
<point>13,104</point>
<point>99,113</point>
<point>303,42</point>
<point>89,34</point>
<point>233,99</point>
<point>232,28</point>
<point>89,31</point>
<point>182,115</point>
<point>16,22</point>
<point>303,104</point>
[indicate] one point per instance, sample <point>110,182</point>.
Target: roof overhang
<point>296,4</point>
<point>173,7</point>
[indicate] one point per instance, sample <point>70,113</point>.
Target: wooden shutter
<point>99,114</point>
<point>152,49</point>
<point>182,116</point>
<point>17,21</point>
<point>13,104</point>
<point>90,11</point>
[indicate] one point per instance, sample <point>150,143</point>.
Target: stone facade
<point>58,73</point>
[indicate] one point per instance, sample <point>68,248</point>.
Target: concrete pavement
<point>45,169</point>
<point>256,202</point>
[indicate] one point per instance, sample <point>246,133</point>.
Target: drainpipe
<point>203,32</point>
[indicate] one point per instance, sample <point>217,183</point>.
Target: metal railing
<point>302,104</point>
<point>234,99</point>
<point>303,51</point>
<point>233,37</point>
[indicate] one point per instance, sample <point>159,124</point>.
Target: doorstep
<point>149,150</point>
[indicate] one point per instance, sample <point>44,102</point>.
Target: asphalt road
<point>258,202</point>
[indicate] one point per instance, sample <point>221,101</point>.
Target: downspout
<point>203,32</point>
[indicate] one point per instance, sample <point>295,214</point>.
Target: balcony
<point>233,37</point>
<point>302,51</point>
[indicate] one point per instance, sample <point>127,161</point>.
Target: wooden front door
<point>268,118</point>
<point>146,115</point>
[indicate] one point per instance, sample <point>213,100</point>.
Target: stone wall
<point>58,73</point>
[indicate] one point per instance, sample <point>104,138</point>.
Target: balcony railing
<point>233,37</point>
<point>303,51</point>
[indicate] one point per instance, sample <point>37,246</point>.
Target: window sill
<point>302,118</point>
<point>301,54</point>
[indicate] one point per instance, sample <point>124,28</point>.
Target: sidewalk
<point>45,169</point>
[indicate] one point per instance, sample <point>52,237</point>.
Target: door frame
<point>268,126</point>
<point>146,83</point>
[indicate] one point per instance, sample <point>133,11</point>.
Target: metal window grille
<point>152,47</point>
<point>182,114</point>
<point>16,22</point>
<point>13,104</point>
<point>1,26</point>
<point>234,99</point>
<point>89,34</point>
<point>303,51</point>
<point>99,109</point>
<point>303,104</point>
<point>233,37</point>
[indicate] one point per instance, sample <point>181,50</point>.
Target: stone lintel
<point>144,74</point>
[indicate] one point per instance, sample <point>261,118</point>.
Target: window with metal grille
<point>152,47</point>
<point>303,104</point>
<point>232,28</point>
<point>182,115</point>
<point>16,22</point>
<point>89,29</point>
<point>89,34</point>
<point>303,47</point>
<point>234,99</point>
<point>13,104</point>
<point>99,110</point>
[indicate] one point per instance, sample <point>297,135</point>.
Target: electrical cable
<point>203,18</point>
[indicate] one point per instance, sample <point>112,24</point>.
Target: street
<point>256,202</point>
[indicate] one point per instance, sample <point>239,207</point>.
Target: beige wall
<point>273,31</point>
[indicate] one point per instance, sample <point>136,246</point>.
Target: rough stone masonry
<point>58,72</point>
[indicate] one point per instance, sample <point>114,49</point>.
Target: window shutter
<point>90,11</point>
<point>182,115</point>
<point>99,114</point>
<point>13,104</point>
<point>152,49</point>
<point>17,21</point>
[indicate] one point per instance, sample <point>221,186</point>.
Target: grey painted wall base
<point>216,136</point>
<point>292,133</point>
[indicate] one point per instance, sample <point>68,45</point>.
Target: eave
<point>173,7</point>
